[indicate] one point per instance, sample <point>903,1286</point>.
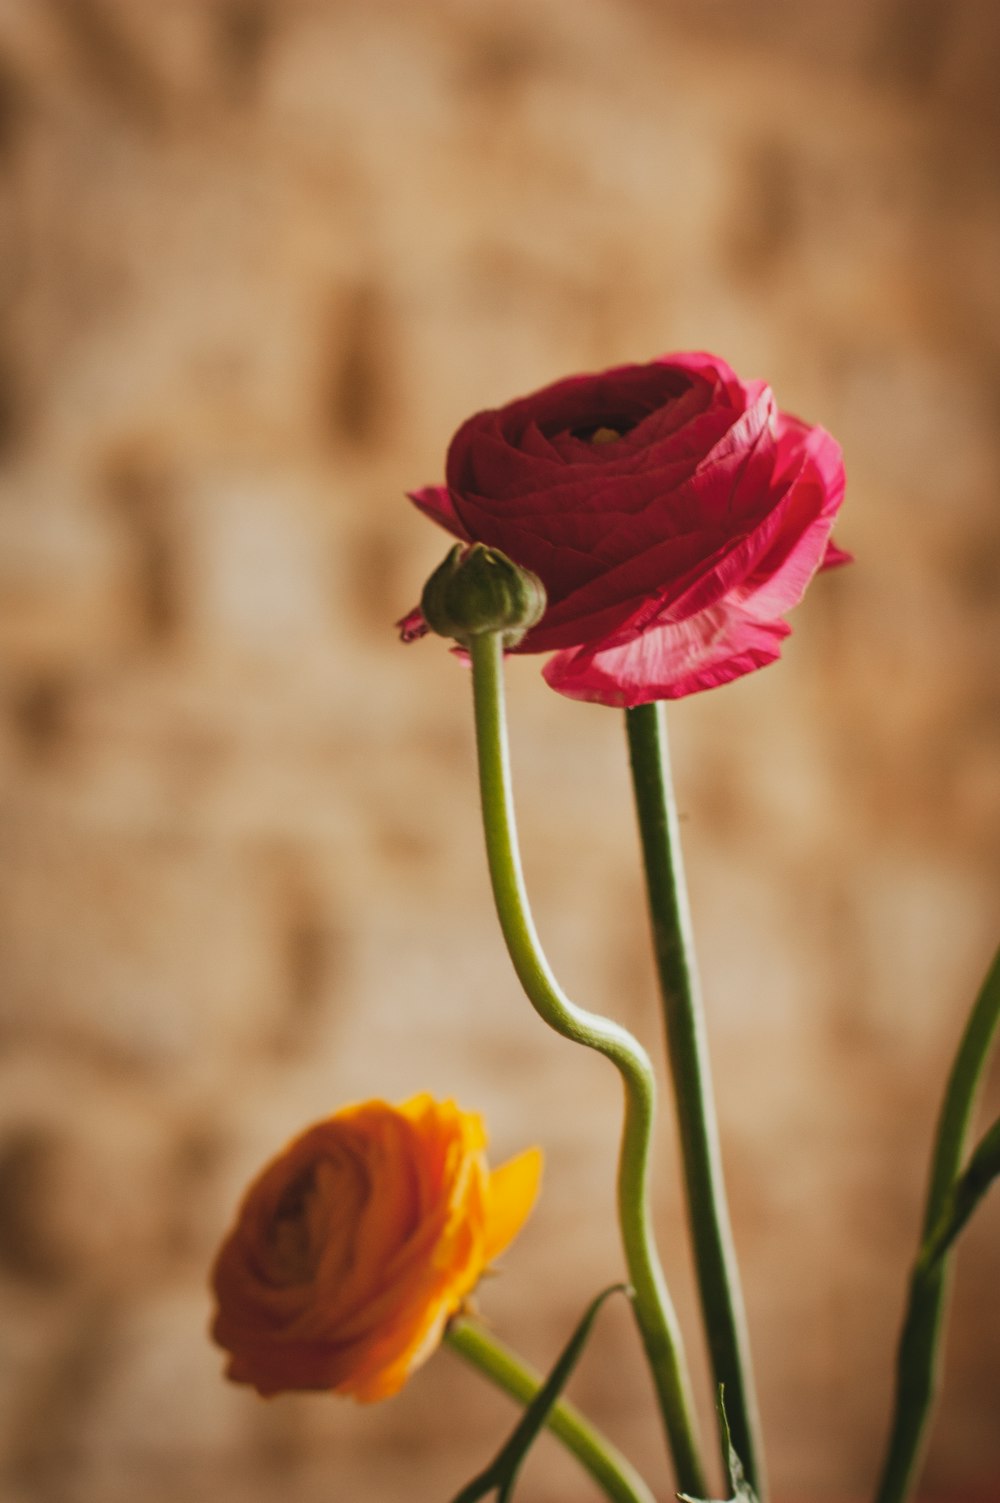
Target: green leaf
<point>961,1092</point>
<point>742,1491</point>
<point>951,1197</point>
<point>966,1193</point>
<point>501,1474</point>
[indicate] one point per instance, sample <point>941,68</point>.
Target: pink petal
<point>413,626</point>
<point>795,437</point>
<point>801,544</point>
<point>435,502</point>
<point>633,595</point>
<point>779,580</point>
<point>834,556</point>
<point>669,662</point>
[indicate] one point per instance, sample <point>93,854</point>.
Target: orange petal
<point>513,1192</point>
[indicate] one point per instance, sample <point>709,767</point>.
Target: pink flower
<point>672,512</point>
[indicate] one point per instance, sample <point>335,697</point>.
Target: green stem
<point>651,1303</point>
<point>687,1047</point>
<point>612,1471</point>
<point>918,1358</point>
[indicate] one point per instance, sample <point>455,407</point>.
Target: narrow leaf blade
<point>502,1471</point>
<point>742,1491</point>
<point>968,1190</point>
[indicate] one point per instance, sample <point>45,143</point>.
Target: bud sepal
<point>477,590</point>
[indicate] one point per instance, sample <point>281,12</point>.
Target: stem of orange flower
<point>612,1471</point>
<point>687,1048</point>
<point>651,1303</point>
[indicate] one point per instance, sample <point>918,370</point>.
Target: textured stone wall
<point>257,261</point>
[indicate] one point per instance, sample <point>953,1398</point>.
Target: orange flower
<point>355,1245</point>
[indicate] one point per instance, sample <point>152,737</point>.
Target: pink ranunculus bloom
<point>672,512</point>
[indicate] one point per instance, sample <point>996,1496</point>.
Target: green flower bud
<point>479,589</point>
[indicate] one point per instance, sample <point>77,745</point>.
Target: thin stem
<point>687,1047</point>
<point>918,1359</point>
<point>612,1471</point>
<point>651,1303</point>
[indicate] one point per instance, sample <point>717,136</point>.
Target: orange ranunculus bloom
<point>355,1245</point>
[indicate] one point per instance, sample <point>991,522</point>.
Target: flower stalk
<point>687,1048</point>
<point>654,1313</point>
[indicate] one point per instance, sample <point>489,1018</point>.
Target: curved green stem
<point>687,1047</point>
<point>918,1357</point>
<point>651,1303</point>
<point>612,1471</point>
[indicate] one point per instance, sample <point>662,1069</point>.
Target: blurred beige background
<point>258,261</point>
